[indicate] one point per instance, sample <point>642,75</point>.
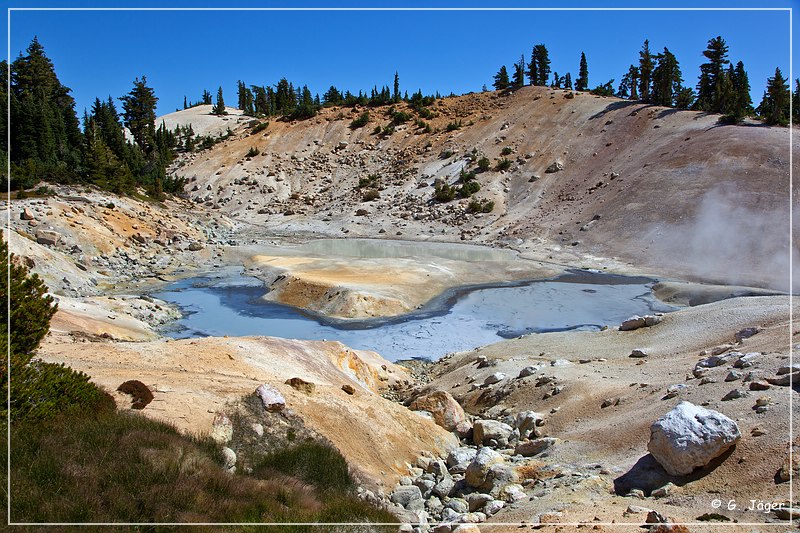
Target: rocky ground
<point>541,431</point>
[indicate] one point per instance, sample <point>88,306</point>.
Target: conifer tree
<point>539,68</point>
<point>743,103</point>
<point>556,81</point>
<point>583,75</point>
<point>796,102</point>
<point>712,83</point>
<point>139,112</point>
<point>185,106</point>
<point>396,92</point>
<point>568,81</point>
<point>519,73</point>
<point>629,84</point>
<point>501,81</point>
<point>645,71</point>
<point>219,107</point>
<point>206,98</point>
<point>774,106</point>
<point>667,79</point>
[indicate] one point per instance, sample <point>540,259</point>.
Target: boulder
<point>746,333</point>
<point>228,458</point>
<point>557,166</point>
<point>445,409</point>
<point>349,389</point>
<point>528,448</point>
<point>476,500</point>
<point>511,493</point>
<point>444,488</point>
<point>195,247</point>
<point>497,377</point>
<point>404,495</point>
<point>785,379</point>
<point>487,430</point>
<point>47,237</point>
<point>27,214</point>
<point>478,470</point>
<point>301,385</point>
<point>271,398</point>
<point>638,352</point>
<point>221,429</point>
<point>459,459</point>
<point>634,322</point>
<point>689,437</point>
<point>527,371</point>
<point>527,422</point>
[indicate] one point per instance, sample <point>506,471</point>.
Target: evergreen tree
<point>556,81</point>
<point>568,81</point>
<point>685,98</point>
<point>629,84</point>
<point>45,134</point>
<point>519,73</point>
<point>583,75</point>
<point>139,112</point>
<point>219,107</point>
<point>712,83</point>
<point>501,81</point>
<point>539,68</point>
<point>185,106</point>
<point>206,99</point>
<point>645,71</point>
<point>667,79</point>
<point>796,102</point>
<point>742,104</point>
<point>396,92</point>
<point>332,97</point>
<point>774,106</point>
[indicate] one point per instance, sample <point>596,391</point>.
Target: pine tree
<point>568,81</point>
<point>743,103</point>
<point>796,102</point>
<point>685,98</point>
<point>501,81</point>
<point>645,71</point>
<point>396,92</point>
<point>206,98</point>
<point>583,75</point>
<point>556,81</point>
<point>629,84</point>
<point>711,82</point>
<point>667,79</point>
<point>539,68</point>
<point>219,107</point>
<point>519,73</point>
<point>774,106</point>
<point>139,112</point>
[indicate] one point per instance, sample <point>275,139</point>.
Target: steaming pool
<point>460,319</point>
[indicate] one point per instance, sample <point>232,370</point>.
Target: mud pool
<point>460,319</point>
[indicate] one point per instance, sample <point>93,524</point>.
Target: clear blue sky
<point>99,53</point>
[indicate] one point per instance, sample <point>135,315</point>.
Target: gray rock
<point>690,436</point>
<point>478,470</point>
<point>529,448</point>
<point>557,166</point>
<point>484,431</point>
<point>446,411</point>
<point>228,458</point>
<point>638,352</point>
<point>785,379</point>
<point>497,377</point>
<point>444,488</point>
<point>527,423</point>
<point>404,494</point>
<point>272,400</point>
<point>425,486</point>
<point>458,505</point>
<point>527,371</point>
<point>459,459</point>
<point>434,505</point>
<point>746,361</point>
<point>476,500</point>
<point>746,333</point>
<point>733,376</point>
<point>195,247</point>
<point>27,214</point>
<point>511,492</point>
<point>788,369</point>
<point>471,518</point>
<point>47,237</point>
<point>735,394</point>
<point>492,507</point>
<point>634,322</point>
<point>449,515</point>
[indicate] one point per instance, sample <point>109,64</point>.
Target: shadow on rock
<point>647,475</point>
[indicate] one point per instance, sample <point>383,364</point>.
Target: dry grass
<point>110,467</point>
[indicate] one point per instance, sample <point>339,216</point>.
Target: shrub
<point>468,189</point>
<point>400,117</point>
<point>387,130</point>
<point>480,206</point>
<point>465,176</point>
<point>506,151</point>
<point>377,130</point>
<point>259,127</point>
<point>312,462</point>
<point>141,395</point>
<point>503,164</point>
<point>444,192</point>
<point>252,152</point>
<point>484,164</point>
<point>452,126</point>
<point>424,112</point>
<point>360,121</point>
<point>370,181</point>
<point>370,194</point>
<point>446,154</point>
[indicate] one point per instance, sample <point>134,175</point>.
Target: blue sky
<point>99,53</point>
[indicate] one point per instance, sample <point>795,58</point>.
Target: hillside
<point>669,191</point>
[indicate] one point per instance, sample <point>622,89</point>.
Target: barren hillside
<point>666,190</point>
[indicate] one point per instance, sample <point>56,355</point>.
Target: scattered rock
<point>271,398</point>
<point>634,322</point>
<point>221,429</point>
<point>735,394</point>
<point>445,409</point>
<point>527,371</point>
<point>228,459</point>
<point>733,376</point>
<point>404,495</point>
<point>485,431</point>
<point>637,352</point>
<point>557,166</point>
<point>349,389</point>
<point>195,247</point>
<point>759,385</point>
<point>690,436</point>
<point>27,214</point>
<point>746,333</point>
<point>478,470</point>
<point>459,459</point>
<point>785,379</point>
<point>47,238</point>
<point>529,448</point>
<point>301,385</point>
<point>497,377</point>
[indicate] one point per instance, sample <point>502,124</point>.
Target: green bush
<point>503,164</point>
<point>465,176</point>
<point>252,152</point>
<point>452,126</point>
<point>426,113</point>
<point>261,126</point>
<point>377,130</point>
<point>506,151</point>
<point>370,194</point>
<point>484,164</point>
<point>400,117</point>
<point>480,206</point>
<point>468,189</point>
<point>446,154</point>
<point>360,121</point>
<point>444,193</point>
<point>370,181</point>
